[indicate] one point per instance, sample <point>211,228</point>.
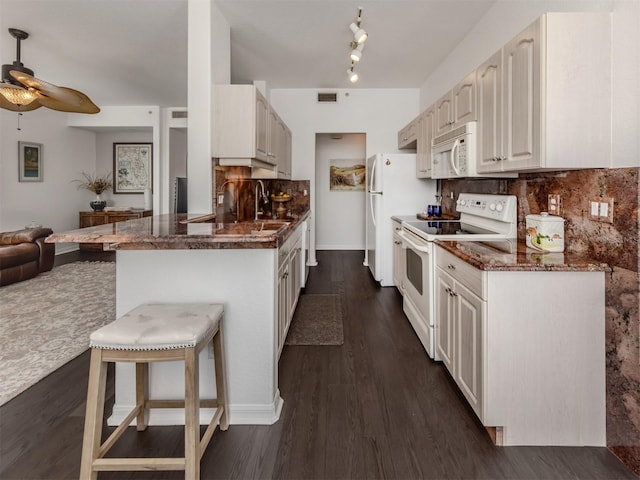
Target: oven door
<point>418,285</point>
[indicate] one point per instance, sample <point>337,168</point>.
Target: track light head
<point>353,76</point>
<point>359,35</point>
<point>356,53</point>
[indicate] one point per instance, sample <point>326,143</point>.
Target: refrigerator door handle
<point>372,192</point>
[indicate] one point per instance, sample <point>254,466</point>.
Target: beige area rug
<point>317,321</point>
<point>46,321</point>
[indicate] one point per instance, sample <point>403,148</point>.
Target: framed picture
<point>347,174</point>
<point>30,162</point>
<point>132,167</point>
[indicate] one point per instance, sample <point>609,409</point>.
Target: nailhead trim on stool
<point>155,333</point>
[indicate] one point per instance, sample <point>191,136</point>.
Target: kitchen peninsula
<point>190,258</point>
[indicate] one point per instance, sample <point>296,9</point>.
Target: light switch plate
<point>601,209</point>
<point>606,209</point>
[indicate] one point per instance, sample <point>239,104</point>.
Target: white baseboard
<point>239,414</point>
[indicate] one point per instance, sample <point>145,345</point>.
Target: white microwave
<point>454,154</point>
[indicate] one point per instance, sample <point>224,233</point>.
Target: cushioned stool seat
<point>155,333</point>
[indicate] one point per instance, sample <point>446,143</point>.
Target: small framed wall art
<point>30,162</point>
<point>346,174</point>
<point>132,167</point>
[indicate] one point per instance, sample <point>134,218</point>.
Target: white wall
<point>378,113</point>
<point>56,201</point>
<point>339,214</point>
<point>507,18</point>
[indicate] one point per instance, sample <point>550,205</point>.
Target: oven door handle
<point>408,241</point>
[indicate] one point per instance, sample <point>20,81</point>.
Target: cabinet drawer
<point>462,272</point>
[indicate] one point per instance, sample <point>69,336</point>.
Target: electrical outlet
<point>554,204</point>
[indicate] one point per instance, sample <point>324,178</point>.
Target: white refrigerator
<point>392,189</point>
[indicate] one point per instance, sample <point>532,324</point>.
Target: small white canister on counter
<point>545,232</point>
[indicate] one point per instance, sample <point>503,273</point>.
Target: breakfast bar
<point>175,258</point>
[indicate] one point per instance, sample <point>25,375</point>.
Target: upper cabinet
<point>408,136</point>
<point>426,129</point>
<point>457,106</point>
<point>489,88</point>
<point>249,132</point>
<point>542,102</point>
<point>545,98</point>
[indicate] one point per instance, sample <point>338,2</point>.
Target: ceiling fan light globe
<point>17,95</point>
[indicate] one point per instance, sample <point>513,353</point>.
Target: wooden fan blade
<point>85,104</point>
<point>50,90</point>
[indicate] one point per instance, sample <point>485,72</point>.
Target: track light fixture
<point>356,45</point>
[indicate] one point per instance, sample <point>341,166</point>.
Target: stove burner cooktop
<point>447,227</point>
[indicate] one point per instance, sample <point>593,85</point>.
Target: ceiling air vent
<point>324,97</point>
<point>179,114</point>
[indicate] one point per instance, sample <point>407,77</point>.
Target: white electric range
<point>483,217</point>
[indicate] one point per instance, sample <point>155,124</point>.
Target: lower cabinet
<point>461,314</point>
<point>289,282</point>
<point>526,348</point>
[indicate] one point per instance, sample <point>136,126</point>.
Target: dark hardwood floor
<point>375,407</point>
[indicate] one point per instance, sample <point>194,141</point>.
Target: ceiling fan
<point>20,91</point>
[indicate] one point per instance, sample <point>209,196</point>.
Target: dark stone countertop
<point>185,231</point>
<point>516,256</point>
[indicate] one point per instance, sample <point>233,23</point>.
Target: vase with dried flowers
<point>96,184</point>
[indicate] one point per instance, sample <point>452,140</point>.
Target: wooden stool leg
<point>221,378</point>
<point>94,414</point>
<point>142,395</point>
<point>192,415</point>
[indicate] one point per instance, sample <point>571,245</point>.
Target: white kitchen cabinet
<point>526,349</point>
<point>289,281</point>
<point>241,125</point>
<point>460,314</point>
<point>456,107</point>
<point>555,91</point>
<point>249,132</point>
<point>425,137</point>
<point>408,136</point>
<point>464,101</point>
<point>398,256</point>
<point>443,114</point>
<point>489,128</point>
<point>445,311</point>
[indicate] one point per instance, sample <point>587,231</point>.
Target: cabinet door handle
<point>451,267</point>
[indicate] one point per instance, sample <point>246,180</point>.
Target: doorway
<point>339,213</point>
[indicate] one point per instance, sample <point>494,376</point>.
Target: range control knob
<point>500,207</point>
<point>492,206</point>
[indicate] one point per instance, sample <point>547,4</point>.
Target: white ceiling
<point>125,52</point>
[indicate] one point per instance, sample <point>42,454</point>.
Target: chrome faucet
<point>264,198</point>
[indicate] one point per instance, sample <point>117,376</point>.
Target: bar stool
<point>155,333</point>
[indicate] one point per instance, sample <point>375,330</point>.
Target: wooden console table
<point>91,219</point>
